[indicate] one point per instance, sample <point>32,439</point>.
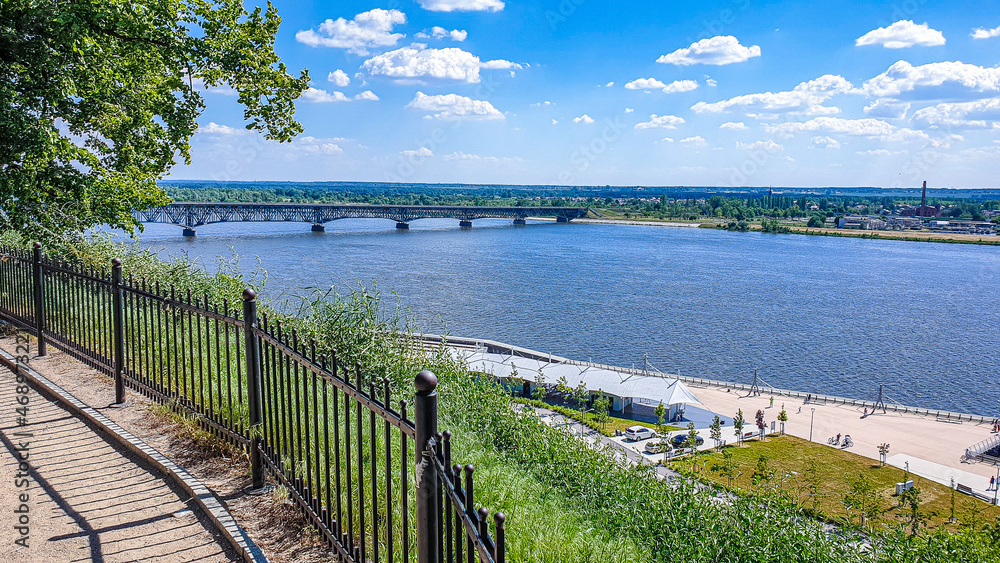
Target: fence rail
<point>376,484</point>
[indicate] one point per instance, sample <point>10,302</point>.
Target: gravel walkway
<point>81,499</point>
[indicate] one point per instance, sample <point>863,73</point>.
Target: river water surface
<point>817,314</point>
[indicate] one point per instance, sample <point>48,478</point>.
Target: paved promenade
<point>933,449</point>
<point>83,499</point>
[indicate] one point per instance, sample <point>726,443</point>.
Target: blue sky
<point>585,92</point>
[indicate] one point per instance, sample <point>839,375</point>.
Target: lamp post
<point>996,486</point>
<point>811,418</point>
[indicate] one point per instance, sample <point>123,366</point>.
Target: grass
<point>589,419</point>
<point>789,458</point>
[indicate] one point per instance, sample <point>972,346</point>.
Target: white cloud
<point>368,29</point>
<point>718,50</point>
<point>455,35</point>
<point>461,5</point>
<point>695,141</point>
<point>946,141</point>
<point>555,122</point>
<point>609,84</point>
<point>214,128</point>
<point>629,110</point>
<point>422,151</point>
<point>500,64</point>
<point>711,82</point>
<point>339,78</point>
<point>462,156</point>
<point>866,127</point>
<point>983,33</point>
<point>313,145</point>
<point>415,61</point>
<point>645,84</point>
<point>585,119</point>
<point>680,86</point>
<point>966,115</point>
<point>453,106</point>
<point>540,104</point>
<point>879,152</point>
<point>902,77</point>
<point>825,143</point>
<point>805,99</point>
<point>887,108</point>
<point>735,125</point>
<point>666,140</point>
<point>903,33</point>
<point>315,95</point>
<point>662,122</point>
<point>367,95</point>
<point>766,146</point>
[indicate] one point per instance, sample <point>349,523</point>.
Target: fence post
<point>36,275</point>
<point>252,348</point>
<point>118,322</point>
<point>425,423</point>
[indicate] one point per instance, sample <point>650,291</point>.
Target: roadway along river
<point>826,315</point>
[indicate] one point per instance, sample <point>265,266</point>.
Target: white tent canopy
<point>653,389</point>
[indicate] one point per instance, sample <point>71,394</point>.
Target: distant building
<point>924,210</point>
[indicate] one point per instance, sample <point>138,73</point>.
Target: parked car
<point>658,447</point>
<point>679,440</point>
<point>638,433</point>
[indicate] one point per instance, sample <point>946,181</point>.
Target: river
<point>828,315</point>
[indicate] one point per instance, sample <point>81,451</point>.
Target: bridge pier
<point>189,232</point>
<point>318,228</point>
<point>464,223</point>
<point>520,222</point>
<point>562,219</point>
<point>402,225</point>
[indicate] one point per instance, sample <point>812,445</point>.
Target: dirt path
<point>81,499</point>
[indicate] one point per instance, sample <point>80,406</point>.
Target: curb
<point>210,506</point>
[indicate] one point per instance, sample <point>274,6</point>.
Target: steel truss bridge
<point>191,215</point>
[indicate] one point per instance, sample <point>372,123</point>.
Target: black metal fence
<point>378,485</point>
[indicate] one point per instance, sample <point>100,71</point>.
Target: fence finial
<point>426,381</point>
<point>249,294</point>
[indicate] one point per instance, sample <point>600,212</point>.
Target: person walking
<point>993,482</point>
<point>772,403</point>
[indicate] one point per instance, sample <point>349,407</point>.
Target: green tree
<point>738,422</point>
<point>539,392</point>
<point>763,473</point>
<point>728,466</point>
<point>660,412</point>
<point>911,503</point>
<point>601,406</point>
<point>101,98</point>
<point>562,386</point>
<point>715,430</point>
<point>691,441</point>
<point>580,395</point>
<point>783,418</point>
<point>862,498</point>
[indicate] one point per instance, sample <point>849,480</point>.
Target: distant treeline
<point>675,202</point>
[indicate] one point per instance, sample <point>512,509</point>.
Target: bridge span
<point>191,215</point>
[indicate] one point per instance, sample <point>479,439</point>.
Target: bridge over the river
<point>191,215</point>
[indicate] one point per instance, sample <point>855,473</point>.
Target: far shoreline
<point>911,236</point>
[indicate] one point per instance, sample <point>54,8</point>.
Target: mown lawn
<point>788,469</point>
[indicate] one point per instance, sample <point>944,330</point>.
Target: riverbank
<point>912,236</point>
